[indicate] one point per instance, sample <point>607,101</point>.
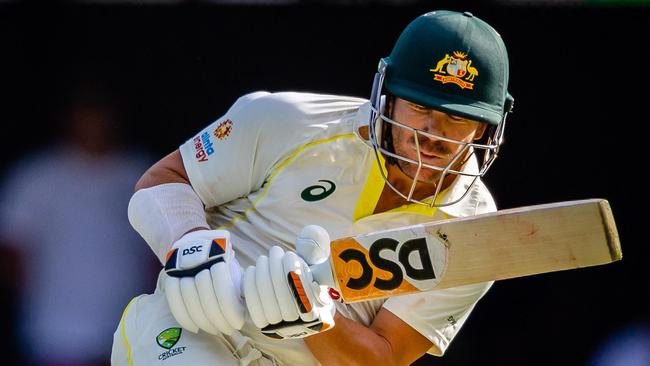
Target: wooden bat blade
<point>505,244</point>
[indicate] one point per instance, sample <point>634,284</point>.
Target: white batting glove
<point>203,287</point>
<point>282,298</point>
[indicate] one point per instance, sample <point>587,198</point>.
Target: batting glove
<point>203,283</point>
<point>282,298</point>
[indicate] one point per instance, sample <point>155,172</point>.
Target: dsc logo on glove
<point>193,249</point>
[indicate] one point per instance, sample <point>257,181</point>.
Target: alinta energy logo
<point>168,339</point>
<point>456,69</point>
<point>203,147</point>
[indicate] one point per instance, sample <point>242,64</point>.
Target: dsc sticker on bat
<point>389,263</point>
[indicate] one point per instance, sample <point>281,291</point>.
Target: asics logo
<point>318,192</point>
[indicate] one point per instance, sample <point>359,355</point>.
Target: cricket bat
<point>505,244</point>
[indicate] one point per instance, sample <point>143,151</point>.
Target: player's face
<point>432,151</point>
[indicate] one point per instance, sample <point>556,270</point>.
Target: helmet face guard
<point>454,63</point>
<point>380,125</point>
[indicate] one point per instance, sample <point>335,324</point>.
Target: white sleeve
<point>234,155</point>
<point>438,315</point>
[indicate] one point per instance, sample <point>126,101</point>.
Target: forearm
<point>350,343</point>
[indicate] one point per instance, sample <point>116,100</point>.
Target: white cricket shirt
<point>277,162</point>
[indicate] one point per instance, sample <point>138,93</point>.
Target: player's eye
<point>419,108</point>
<point>457,119</point>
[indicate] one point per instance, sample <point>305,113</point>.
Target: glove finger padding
<point>210,303</point>
<point>253,302</point>
<point>228,293</point>
<point>200,290</point>
<point>193,304</point>
<point>299,280</point>
<point>315,307</point>
<point>177,306</point>
<point>282,297</point>
<point>268,295</point>
<point>266,292</point>
<point>283,293</point>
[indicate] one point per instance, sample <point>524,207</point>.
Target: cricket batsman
<point>238,213</point>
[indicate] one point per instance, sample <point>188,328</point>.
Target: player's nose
<point>433,128</point>
<point>435,124</point>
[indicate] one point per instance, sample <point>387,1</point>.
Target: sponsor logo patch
<point>223,130</point>
<point>456,69</point>
<point>318,192</point>
<point>203,147</point>
<point>168,339</point>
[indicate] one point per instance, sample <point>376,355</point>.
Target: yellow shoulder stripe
<point>123,332</point>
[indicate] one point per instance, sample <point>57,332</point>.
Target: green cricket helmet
<point>454,63</point>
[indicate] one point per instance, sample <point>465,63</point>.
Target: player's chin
<point>425,173</point>
<point>425,176</point>
<point>428,180</point>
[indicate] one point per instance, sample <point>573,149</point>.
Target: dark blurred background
<point>579,74</point>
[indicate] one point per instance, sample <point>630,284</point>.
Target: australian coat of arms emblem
<point>456,69</point>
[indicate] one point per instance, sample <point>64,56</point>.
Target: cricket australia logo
<point>168,339</point>
<point>456,69</point>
